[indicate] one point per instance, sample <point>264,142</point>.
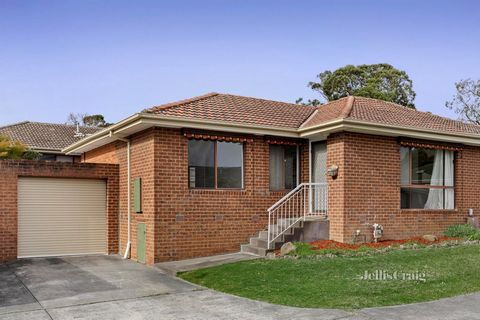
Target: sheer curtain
<point>435,196</point>
<point>449,172</point>
<point>276,168</point>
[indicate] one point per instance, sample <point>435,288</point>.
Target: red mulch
<point>330,244</point>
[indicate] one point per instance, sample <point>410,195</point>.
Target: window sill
<point>219,190</point>
<point>280,190</point>
<point>428,210</point>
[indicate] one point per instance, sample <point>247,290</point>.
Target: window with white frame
<point>215,164</point>
<point>427,178</point>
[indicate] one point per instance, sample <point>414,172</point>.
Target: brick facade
<point>10,170</point>
<point>367,189</point>
<point>182,222</point>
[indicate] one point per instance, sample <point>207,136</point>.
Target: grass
<point>336,283</point>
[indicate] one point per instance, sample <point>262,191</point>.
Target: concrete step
<point>263,243</point>
<point>248,248</point>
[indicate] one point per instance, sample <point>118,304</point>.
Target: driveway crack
<point>30,292</point>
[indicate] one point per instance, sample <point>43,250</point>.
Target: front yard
<point>422,274</point>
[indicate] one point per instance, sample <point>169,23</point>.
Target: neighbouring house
<point>220,172</point>
<point>48,138</point>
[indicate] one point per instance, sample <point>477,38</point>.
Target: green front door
<point>141,235</point>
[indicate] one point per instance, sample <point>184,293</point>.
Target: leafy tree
<point>10,149</point>
<point>379,81</point>
<point>466,102</point>
<point>15,150</point>
<point>309,102</point>
<point>95,120</point>
<point>84,119</point>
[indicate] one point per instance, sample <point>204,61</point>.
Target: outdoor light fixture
<point>470,212</point>
<point>332,171</point>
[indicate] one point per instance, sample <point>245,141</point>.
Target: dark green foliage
<point>95,120</point>
<point>309,102</point>
<point>379,81</point>
<point>465,231</point>
<point>31,155</point>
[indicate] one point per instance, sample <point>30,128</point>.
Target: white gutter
<point>141,121</point>
<point>388,130</point>
<point>126,255</point>
<point>179,122</point>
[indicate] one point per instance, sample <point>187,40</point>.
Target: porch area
<point>301,215</point>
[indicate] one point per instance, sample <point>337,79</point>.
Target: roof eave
<point>142,121</point>
<point>388,130</point>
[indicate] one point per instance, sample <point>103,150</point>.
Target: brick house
<point>205,175</point>
<point>48,138</point>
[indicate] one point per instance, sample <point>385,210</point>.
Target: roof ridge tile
<point>347,109</point>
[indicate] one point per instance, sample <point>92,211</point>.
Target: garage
<point>59,216</point>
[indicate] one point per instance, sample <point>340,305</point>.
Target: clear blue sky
<point>118,57</point>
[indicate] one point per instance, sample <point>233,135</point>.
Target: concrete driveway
<point>107,287</point>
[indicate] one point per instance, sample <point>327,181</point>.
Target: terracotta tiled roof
<point>51,136</point>
<point>238,109</point>
<point>388,113</point>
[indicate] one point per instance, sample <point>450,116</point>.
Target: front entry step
<point>303,231</point>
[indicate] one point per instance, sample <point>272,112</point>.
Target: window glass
<point>48,157</point>
<point>405,159</point>
<point>229,165</point>
<point>422,165</point>
<point>283,167</point>
<point>201,163</point>
<point>276,168</point>
<point>290,167</point>
<point>427,178</point>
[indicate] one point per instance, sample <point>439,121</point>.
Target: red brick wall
<point>193,223</point>
<point>367,189</point>
<point>10,171</point>
<point>105,154</point>
<point>183,223</point>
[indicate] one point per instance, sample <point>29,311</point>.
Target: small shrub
<point>464,231</point>
<point>31,155</point>
<point>302,249</point>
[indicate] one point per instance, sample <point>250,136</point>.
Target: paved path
<point>173,267</point>
<point>107,288</point>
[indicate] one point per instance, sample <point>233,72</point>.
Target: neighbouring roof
<point>387,113</point>
<point>45,136</point>
<point>238,109</point>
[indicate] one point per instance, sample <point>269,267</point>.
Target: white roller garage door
<point>61,217</point>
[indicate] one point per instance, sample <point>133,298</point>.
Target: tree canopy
<point>15,150</point>
<point>466,101</point>
<point>379,81</point>
<point>84,119</point>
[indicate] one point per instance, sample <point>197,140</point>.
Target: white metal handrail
<point>306,200</point>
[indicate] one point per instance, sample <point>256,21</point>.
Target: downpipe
<point>126,255</point>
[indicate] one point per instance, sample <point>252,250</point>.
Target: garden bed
<point>331,244</point>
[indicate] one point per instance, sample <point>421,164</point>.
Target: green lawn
<point>336,283</point>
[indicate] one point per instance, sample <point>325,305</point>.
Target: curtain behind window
<point>319,162</point>
<point>449,173</point>
<point>435,196</point>
<point>276,168</point>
